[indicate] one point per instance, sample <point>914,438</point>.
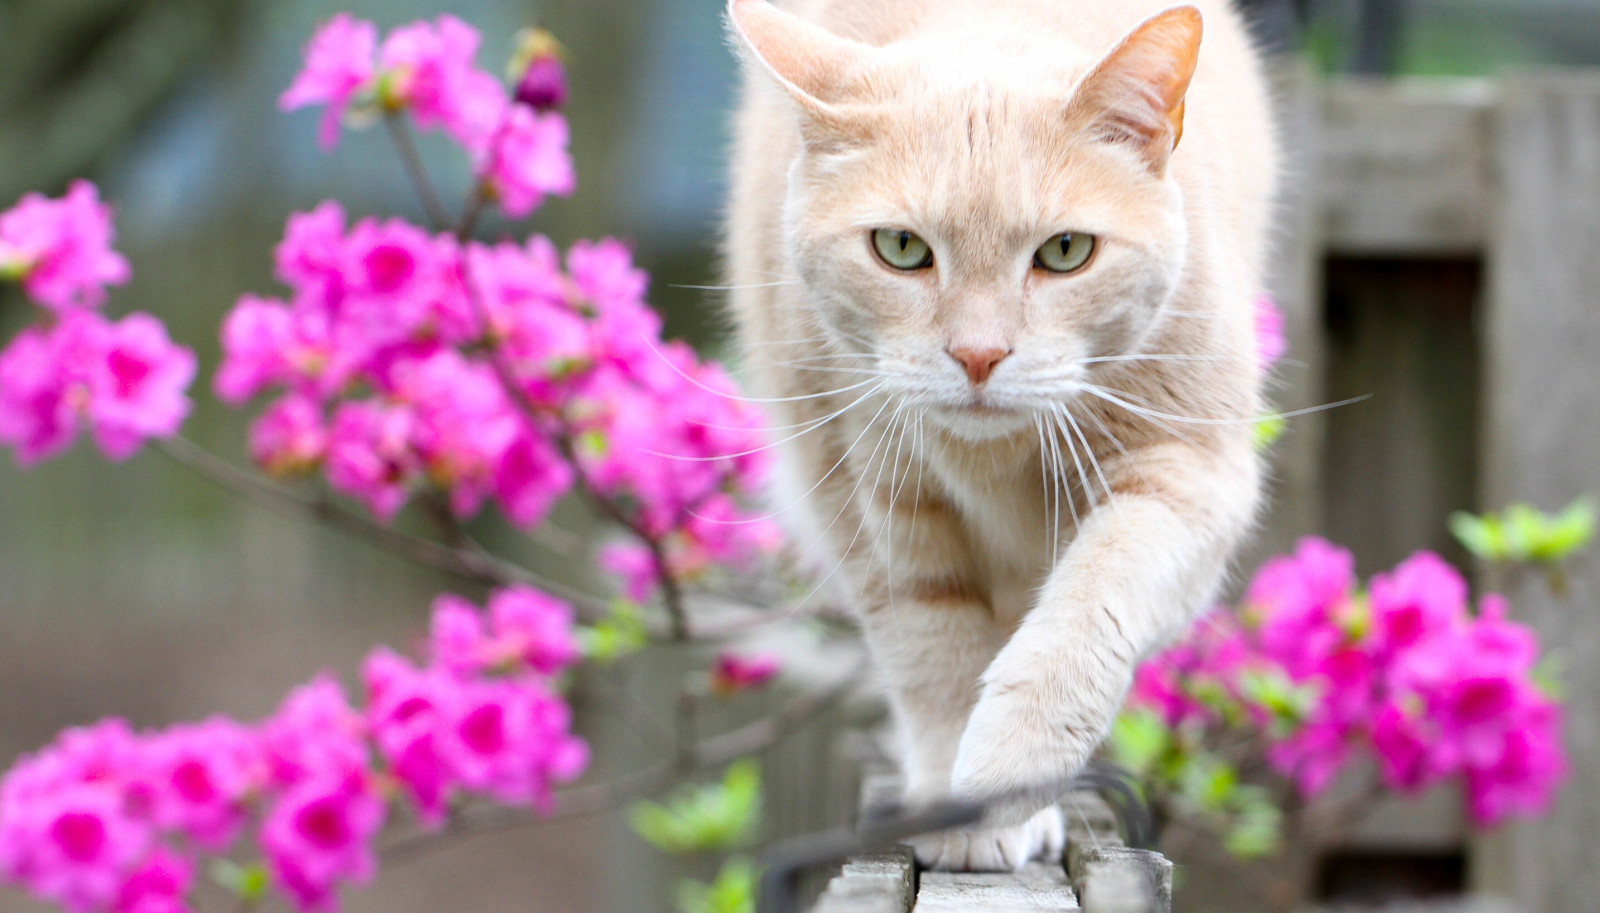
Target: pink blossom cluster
<point>1271,345</point>
<point>407,362</point>
<point>732,673</point>
<point>109,819</point>
<point>125,380</point>
<point>517,141</point>
<point>1404,670</point>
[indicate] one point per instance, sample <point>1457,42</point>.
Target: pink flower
<point>256,337</point>
<point>160,885</point>
<point>370,455</point>
<point>529,478</point>
<point>635,565</point>
<point>528,161</point>
<point>510,740</point>
<point>126,379</point>
<point>84,847</point>
<point>137,386</point>
<point>1270,342</point>
<point>531,629</point>
<point>733,673</point>
<point>1421,597</point>
<point>319,835</point>
<point>543,85</point>
<point>1522,779</point>
<point>290,437</point>
<point>429,70</point>
<point>314,735</point>
<point>403,712</point>
<point>1313,756</point>
<point>36,414</point>
<point>312,246</point>
<point>456,640</point>
<point>338,65</point>
<point>61,249</point>
<point>199,778</point>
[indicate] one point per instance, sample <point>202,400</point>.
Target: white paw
<point>994,849</point>
<point>1035,726</point>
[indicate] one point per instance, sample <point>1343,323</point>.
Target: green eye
<point>901,249</point>
<point>1065,253</point>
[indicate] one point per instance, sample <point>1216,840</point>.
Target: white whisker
<point>818,423</point>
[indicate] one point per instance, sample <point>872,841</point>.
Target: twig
<point>400,132</point>
<point>474,209</point>
<point>467,561</point>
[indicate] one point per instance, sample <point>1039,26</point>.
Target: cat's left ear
<point>1136,94</point>
<point>819,70</point>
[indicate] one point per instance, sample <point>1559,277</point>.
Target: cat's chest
<point>1013,532</point>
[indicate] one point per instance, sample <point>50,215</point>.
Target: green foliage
<point>1256,825</point>
<point>1267,431</point>
<point>1272,690</point>
<point>620,635</point>
<point>1522,533</point>
<point>1179,775</point>
<point>1139,740</point>
<point>246,882</point>
<point>697,819</point>
<point>734,891</point>
<point>1242,814</point>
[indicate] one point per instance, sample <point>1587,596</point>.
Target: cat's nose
<point>978,362</point>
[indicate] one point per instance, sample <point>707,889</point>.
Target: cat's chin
<point>980,422</point>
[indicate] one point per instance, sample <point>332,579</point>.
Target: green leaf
<point>1522,533</point>
<point>699,819</point>
<point>734,890</point>
<point>1479,535</point>
<point>1267,431</point>
<point>1273,691</point>
<point>1138,740</point>
<point>246,882</point>
<point>1208,782</point>
<point>622,634</point>
<point>1257,824</point>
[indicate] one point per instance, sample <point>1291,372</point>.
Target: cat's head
<point>981,218</point>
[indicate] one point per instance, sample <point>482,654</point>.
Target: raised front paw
<point>1035,726</point>
<point>993,849</point>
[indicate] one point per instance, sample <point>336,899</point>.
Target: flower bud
<point>541,80</point>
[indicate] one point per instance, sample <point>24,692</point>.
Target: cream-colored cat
<point>1008,317</point>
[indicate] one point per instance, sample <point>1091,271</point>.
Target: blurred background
<point>140,591</point>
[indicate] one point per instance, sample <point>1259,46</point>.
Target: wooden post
<point>1542,441</point>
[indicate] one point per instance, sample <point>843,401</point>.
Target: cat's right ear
<point>818,69</point>
<point>1135,96</point>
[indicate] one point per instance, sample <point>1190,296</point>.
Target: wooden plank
<point>883,882</point>
<point>1404,167</point>
<point>1542,437</point>
<point>1039,888</point>
<point>1294,278</point>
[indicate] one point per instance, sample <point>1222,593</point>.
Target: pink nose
<point>978,362</point>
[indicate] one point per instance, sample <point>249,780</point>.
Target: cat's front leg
<point>931,652</point>
<point>1140,567</point>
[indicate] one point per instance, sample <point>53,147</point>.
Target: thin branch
<point>597,798</point>
<point>474,210</point>
<point>400,132</point>
<point>467,561</point>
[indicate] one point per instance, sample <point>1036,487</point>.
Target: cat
<point>993,265</point>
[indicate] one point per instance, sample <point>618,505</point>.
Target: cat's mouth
<point>980,419</point>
